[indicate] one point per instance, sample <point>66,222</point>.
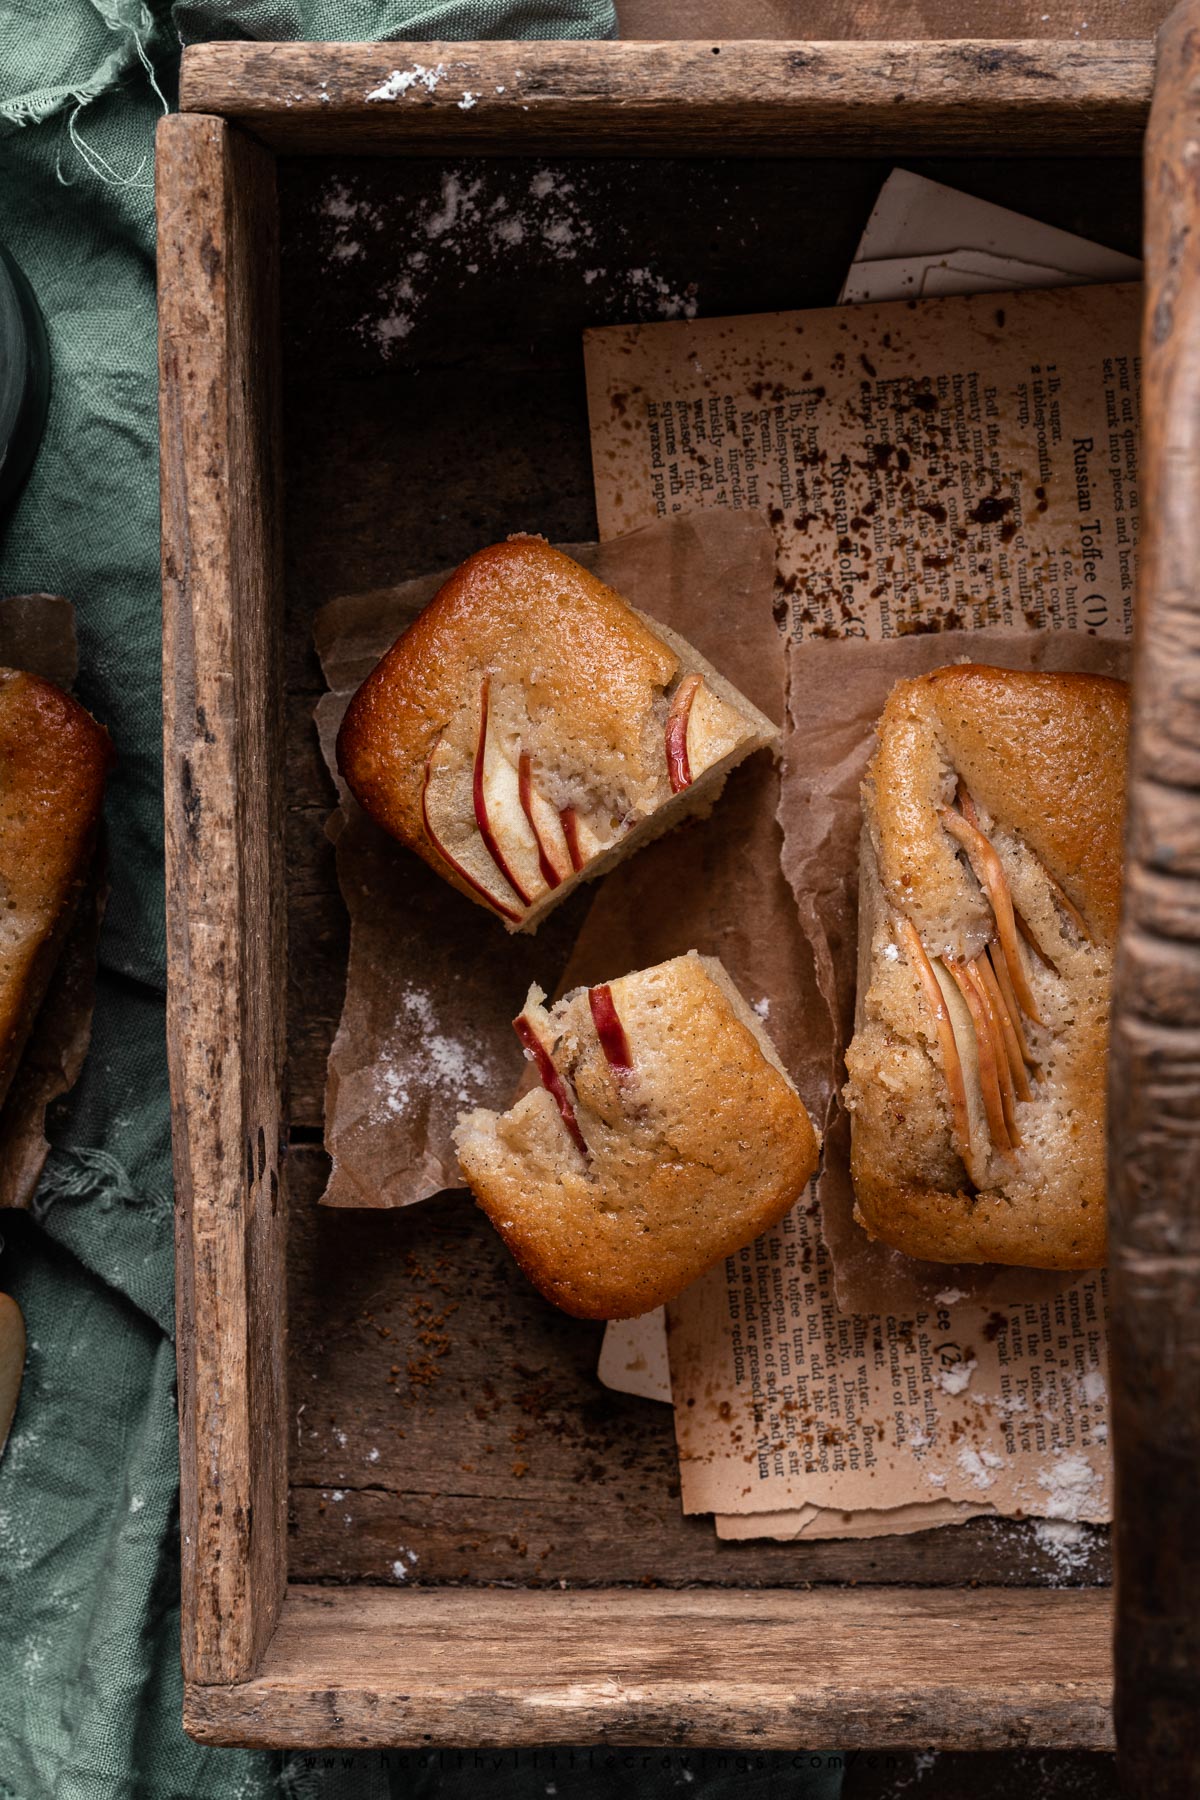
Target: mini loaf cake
<point>665,1134</point>
<point>530,728</point>
<point>53,762</point>
<point>989,888</point>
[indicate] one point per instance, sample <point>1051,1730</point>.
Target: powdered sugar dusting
<point>670,305</point>
<point>418,1055</point>
<point>1093,1388</point>
<point>979,1466</point>
<point>400,80</point>
<point>1067,1543</point>
<point>473,224</point>
<point>1069,1485</point>
<point>450,1062</point>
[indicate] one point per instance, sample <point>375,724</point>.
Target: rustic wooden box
<point>479,1545</point>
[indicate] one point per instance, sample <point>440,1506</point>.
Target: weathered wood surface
<point>221,511</point>
<point>448,1427</point>
<point>874,19</point>
<point>1155,1077</point>
<point>403,455</point>
<point>673,98</point>
<point>835,1670</point>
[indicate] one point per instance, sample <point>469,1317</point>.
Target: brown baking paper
<point>837,689</point>
<point>433,981</point>
<point>37,633</point>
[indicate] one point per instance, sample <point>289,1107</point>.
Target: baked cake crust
<point>689,1140</point>
<point>1029,767</point>
<point>53,761</point>
<point>519,734</point>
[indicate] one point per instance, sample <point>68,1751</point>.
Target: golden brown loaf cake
<point>665,1134</point>
<point>53,762</point>
<point>989,887</point>
<point>530,728</point>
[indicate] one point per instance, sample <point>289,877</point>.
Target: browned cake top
<point>530,728</point>
<point>53,762</point>
<point>697,1147</point>
<point>988,899</point>
<point>586,669</point>
<point>1042,752</point>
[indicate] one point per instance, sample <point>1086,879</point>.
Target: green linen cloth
<point>90,1691</point>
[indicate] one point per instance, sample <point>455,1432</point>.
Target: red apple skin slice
<point>1004,1075</point>
<point>570,825</point>
<point>550,1078</point>
<point>480,801</point>
<point>583,844</point>
<point>989,872</point>
<point>989,1081</point>
<point>497,905</point>
<point>546,827</point>
<point>610,1031</point>
<point>1069,907</point>
<point>1010,1001</point>
<point>714,730</point>
<point>967,806</point>
<point>979,1146</point>
<point>678,767</point>
<point>951,1062</point>
<point>1012,1040</point>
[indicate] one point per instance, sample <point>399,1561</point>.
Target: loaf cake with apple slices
<point>530,728</point>
<point>663,1135</point>
<point>990,879</point>
<point>53,762</point>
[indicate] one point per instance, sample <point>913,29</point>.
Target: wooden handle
<point>1155,1074</point>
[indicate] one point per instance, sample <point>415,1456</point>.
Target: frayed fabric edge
<point>94,1176</point>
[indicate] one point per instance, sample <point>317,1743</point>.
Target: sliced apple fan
<point>520,853</point>
<point>613,1042</point>
<point>979,1005</point>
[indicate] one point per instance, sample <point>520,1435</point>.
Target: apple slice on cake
<point>531,728</point>
<point>664,1134</point>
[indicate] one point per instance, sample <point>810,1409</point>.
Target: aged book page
<point>927,467</point>
<point>926,464</point>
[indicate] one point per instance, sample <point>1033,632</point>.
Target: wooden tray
<point>410,1514</point>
